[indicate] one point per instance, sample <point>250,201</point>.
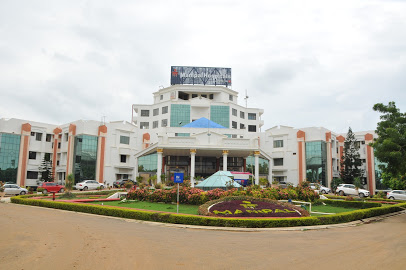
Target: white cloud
<point>308,63</point>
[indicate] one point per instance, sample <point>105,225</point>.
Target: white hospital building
<point>194,126</point>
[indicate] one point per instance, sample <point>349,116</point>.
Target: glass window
<point>230,97</point>
<point>85,156</point>
<point>234,124</point>
<point>144,113</point>
<point>38,136</point>
<point>32,133</point>
<point>211,96</point>
<point>66,137</point>
<point>47,156</point>
<point>155,124</point>
<point>204,96</point>
<point>156,112</point>
<point>278,161</point>
<point>164,109</point>
<point>180,115</point>
<point>220,115</point>
<point>278,143</point>
<point>242,126</point>
<point>32,155</point>
<point>32,175</point>
<point>48,137</point>
<point>123,158</point>
<point>234,112</point>
<point>162,97</point>
<point>164,123</point>
<point>242,115</point>
<point>316,162</point>
<point>194,95</point>
<point>252,128</point>
<point>144,125</point>
<point>124,139</point>
<point>9,155</point>
<point>148,163</point>
<point>252,116</point>
<point>59,145</point>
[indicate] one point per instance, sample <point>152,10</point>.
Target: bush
<point>380,195</point>
<point>211,221</point>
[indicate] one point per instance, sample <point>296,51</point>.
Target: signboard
<point>178,178</point>
<point>200,75</point>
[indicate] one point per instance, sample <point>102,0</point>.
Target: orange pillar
<point>370,163</point>
<point>69,156</point>
<point>301,138</point>
<point>57,131</point>
<point>101,149</point>
<point>23,156</point>
<point>341,140</point>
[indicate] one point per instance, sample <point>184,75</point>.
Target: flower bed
<point>248,207</point>
<point>197,196</point>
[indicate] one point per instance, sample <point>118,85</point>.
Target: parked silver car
<point>396,195</point>
<point>13,189</point>
<point>89,184</point>
<point>349,189</point>
<point>322,189</point>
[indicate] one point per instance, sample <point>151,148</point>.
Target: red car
<point>51,187</point>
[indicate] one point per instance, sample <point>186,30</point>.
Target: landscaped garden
<point>252,207</point>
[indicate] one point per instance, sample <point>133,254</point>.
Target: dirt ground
<point>40,238</point>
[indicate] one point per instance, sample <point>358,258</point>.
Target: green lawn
<point>183,208</point>
<point>330,209</point>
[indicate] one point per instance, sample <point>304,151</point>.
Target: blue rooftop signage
<point>200,75</point>
<point>203,123</point>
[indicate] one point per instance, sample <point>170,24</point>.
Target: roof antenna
<point>246,98</point>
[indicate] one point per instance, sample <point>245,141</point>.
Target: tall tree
<point>46,169</point>
<point>351,159</point>
<point>390,146</point>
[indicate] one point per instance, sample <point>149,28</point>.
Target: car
<point>13,189</point>
<point>88,185</point>
<point>396,195</point>
<point>349,189</point>
<point>121,182</point>
<point>322,189</point>
<point>51,187</point>
<point>283,184</point>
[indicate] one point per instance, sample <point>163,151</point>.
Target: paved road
<point>40,238</point>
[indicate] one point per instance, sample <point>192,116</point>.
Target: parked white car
<point>12,189</point>
<point>349,189</point>
<point>396,195</point>
<point>88,185</point>
<point>322,189</point>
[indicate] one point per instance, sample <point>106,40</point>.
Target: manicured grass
<point>330,209</point>
<point>183,208</point>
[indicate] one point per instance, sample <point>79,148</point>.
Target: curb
<point>238,229</point>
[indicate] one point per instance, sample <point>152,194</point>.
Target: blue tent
<point>203,123</point>
<point>220,179</point>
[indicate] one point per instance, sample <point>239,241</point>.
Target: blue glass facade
<point>316,162</point>
<point>85,158</point>
<point>9,154</point>
<point>220,115</point>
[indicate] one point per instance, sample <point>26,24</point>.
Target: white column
<point>270,174</point>
<point>256,154</point>
<point>136,169</point>
<point>159,167</point>
<point>192,167</point>
<point>225,154</point>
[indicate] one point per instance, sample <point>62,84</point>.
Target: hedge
<point>352,204</point>
<point>210,221</point>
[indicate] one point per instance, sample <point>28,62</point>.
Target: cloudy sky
<point>307,63</point>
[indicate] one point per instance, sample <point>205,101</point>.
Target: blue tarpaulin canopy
<point>203,123</point>
<point>220,179</point>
